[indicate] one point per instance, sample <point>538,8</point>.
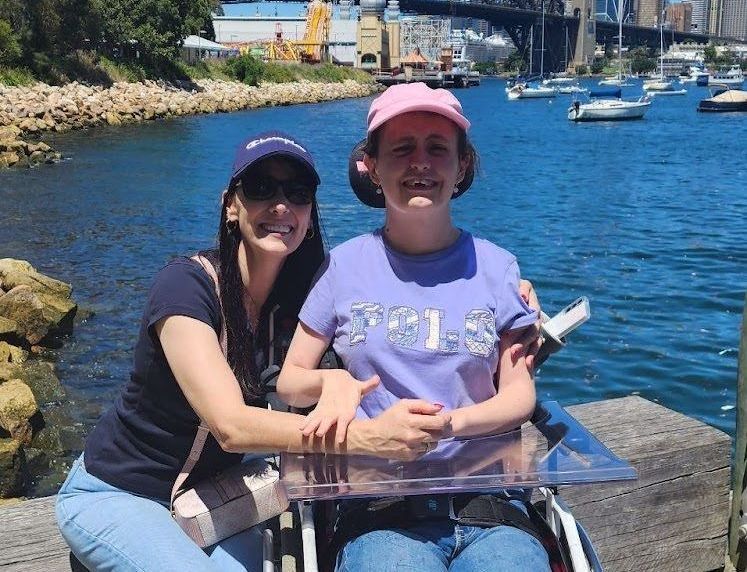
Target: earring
<point>455,191</point>
<point>378,190</point>
<point>310,233</point>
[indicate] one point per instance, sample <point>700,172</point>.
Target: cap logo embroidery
<point>290,142</point>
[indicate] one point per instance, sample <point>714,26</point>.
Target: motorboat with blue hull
<point>724,99</point>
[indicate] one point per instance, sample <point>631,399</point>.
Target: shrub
<point>245,68</point>
<point>581,70</point>
<point>16,76</point>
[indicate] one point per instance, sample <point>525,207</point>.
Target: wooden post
<point>737,549</point>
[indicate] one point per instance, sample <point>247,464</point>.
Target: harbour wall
<point>29,112</point>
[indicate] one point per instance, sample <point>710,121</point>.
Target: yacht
<point>693,74</point>
<point>608,106</point>
<point>733,77</point>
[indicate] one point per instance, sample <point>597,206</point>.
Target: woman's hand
<point>407,430</point>
<point>530,339</point>
<point>341,395</point>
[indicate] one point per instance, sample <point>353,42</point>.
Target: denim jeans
<point>440,545</point>
<point>108,528</point>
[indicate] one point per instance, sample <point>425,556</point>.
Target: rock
<point>9,159</point>
<point>9,133</point>
<point>113,119</point>
<point>58,309</point>
<point>17,406</point>
<point>40,376</point>
<point>36,157</point>
<point>24,307</point>
<point>13,473</point>
<point>7,327</point>
<point>12,354</point>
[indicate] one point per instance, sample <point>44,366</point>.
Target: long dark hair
<point>287,294</point>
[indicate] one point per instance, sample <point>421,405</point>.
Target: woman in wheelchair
<point>430,326</point>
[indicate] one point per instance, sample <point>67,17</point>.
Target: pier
<point>673,518</point>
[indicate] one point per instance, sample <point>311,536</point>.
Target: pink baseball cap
<point>407,97</point>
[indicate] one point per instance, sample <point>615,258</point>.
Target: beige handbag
<point>233,500</point>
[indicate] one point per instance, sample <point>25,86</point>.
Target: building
<point>699,21</point>
<point>378,35</point>
<point>734,19</point>
<point>648,12</point>
<point>606,10</point>
<point>679,16</point>
<point>714,17</point>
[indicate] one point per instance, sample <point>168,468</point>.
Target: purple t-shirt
<point>428,325</point>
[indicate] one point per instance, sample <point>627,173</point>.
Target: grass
<point>92,68</point>
<point>16,76</point>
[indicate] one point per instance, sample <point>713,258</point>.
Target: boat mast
<point>661,46</point>
<point>531,49</point>
<point>620,5</point>
<point>542,55</point>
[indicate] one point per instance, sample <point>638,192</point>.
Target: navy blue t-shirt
<point>141,443</point>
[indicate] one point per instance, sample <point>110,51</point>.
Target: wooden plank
<point>30,540</point>
<point>675,516</point>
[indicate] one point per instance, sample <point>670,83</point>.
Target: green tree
<point>514,62</point>
<point>640,62</point>
<point>710,54</point>
<point>10,49</point>
<point>598,65</point>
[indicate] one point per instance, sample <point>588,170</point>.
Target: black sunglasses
<point>264,187</point>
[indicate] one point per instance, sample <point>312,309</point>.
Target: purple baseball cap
<point>272,144</point>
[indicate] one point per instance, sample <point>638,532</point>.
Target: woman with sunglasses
<point>436,314</point>
<point>113,509</point>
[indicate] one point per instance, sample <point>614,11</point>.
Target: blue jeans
<point>440,545</point>
<point>108,528</point>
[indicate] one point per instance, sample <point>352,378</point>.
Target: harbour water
<point>646,218</point>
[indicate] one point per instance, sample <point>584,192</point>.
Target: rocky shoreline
<point>29,112</point>
<point>35,312</point>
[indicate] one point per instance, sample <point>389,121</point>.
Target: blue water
<point>646,218</point>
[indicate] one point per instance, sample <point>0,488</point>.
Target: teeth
<point>281,228</point>
<point>420,183</point>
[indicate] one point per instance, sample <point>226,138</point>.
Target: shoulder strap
<point>202,430</point>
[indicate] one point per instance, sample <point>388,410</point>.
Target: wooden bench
<point>674,518</point>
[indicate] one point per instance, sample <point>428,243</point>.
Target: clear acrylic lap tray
<point>554,449</point>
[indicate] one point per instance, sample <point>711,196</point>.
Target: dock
<point>673,518</point>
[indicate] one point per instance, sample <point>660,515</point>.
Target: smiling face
<point>271,226</point>
<point>417,164</point>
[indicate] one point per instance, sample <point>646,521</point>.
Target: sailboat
<point>661,85</point>
<point>620,79</point>
<point>609,106</point>
<point>524,90</point>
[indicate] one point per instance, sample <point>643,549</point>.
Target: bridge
<point>522,19</point>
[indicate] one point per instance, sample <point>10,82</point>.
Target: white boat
<point>662,92</point>
<point>559,81</point>
<point>526,91</point>
<point>660,85</point>
<point>693,73</point>
<point>571,89</point>
<point>608,110</point>
<point>733,77</point>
